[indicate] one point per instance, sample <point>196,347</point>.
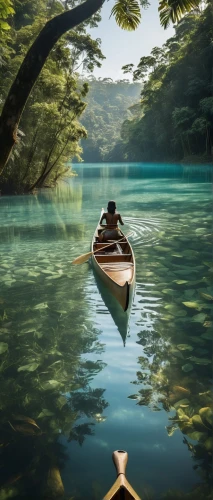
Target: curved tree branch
<point>31,68</point>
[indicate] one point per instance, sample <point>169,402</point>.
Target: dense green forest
<point>58,17</point>
<point>108,105</point>
<point>176,119</point>
<point>49,130</point>
<point>42,97</point>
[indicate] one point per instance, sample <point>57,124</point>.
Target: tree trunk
<point>31,68</point>
<point>42,178</point>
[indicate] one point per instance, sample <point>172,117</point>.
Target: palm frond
<point>174,10</point>
<point>127,14</point>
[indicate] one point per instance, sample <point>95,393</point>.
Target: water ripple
<point>144,230</point>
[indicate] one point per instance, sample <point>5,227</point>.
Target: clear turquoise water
<point>63,360</point>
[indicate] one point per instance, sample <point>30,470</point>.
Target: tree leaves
<point>188,367</point>
<point>181,127</point>
<point>193,305</point>
<point>208,335</point>
<point>3,347</point>
<point>207,415</point>
<point>57,99</point>
<point>127,14</point>
<point>199,318</point>
<point>45,413</point>
<point>185,347</point>
<point>200,361</point>
<point>6,10</point>
<point>51,385</point>
<point>31,367</point>
<point>24,425</point>
<point>173,10</point>
<point>108,104</point>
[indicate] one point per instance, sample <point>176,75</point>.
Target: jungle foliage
<point>175,366</point>
<point>49,130</point>
<point>176,118</point>
<point>69,15</point>
<point>109,103</point>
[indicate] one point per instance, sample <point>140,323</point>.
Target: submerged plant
<point>176,371</point>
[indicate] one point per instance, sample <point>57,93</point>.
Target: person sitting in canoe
<point>112,218</point>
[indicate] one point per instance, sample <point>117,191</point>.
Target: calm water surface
<point>77,382</point>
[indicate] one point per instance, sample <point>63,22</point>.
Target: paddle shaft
<point>83,258</point>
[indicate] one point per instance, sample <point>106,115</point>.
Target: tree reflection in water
<point>175,369</point>
<point>45,377</point>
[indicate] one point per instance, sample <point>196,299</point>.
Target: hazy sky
<point>123,47</point>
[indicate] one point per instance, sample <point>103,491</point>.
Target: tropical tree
<point>41,154</point>
<point>127,14</point>
<point>175,121</point>
<point>6,9</point>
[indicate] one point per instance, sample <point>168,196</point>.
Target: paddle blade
<point>83,258</point>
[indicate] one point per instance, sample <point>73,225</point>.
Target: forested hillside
<point>173,118</point>
<point>176,119</point>
<point>108,105</point>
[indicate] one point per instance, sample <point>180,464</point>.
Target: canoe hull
<point>121,293</point>
<point>121,281</point>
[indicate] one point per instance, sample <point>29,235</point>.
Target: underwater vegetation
<point>175,369</point>
<point>44,372</point>
<point>46,393</point>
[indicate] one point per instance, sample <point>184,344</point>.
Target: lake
<point>77,381</point>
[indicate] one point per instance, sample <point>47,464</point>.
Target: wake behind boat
<point>115,265</point>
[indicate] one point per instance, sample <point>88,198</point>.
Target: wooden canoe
<point>121,489</point>
<point>115,266</point>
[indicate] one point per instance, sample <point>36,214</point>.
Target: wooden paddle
<point>121,489</point>
<point>84,257</point>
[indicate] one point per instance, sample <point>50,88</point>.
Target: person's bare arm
<point>102,218</point>
<point>120,220</point>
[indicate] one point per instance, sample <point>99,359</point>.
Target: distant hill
<point>108,106</point>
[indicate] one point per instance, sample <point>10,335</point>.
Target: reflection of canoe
<point>116,267</point>
<point>119,316</point>
<point>121,489</point>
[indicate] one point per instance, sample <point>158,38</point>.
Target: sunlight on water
<point>79,378</point>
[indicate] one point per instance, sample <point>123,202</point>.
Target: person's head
<point>111,207</point>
